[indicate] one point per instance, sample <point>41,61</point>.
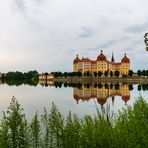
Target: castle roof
<point>85,60</point>
<point>101,57</point>
<point>76,60</point>
<point>125,98</point>
<point>125,59</point>
<point>101,101</point>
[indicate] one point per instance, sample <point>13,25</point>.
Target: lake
<point>83,100</point>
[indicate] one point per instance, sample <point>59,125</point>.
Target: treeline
<point>138,73</point>
<point>19,78</point>
<point>128,129</point>
<point>115,86</point>
<point>143,87</point>
<point>66,74</point>
<point>99,74</point>
<point>86,74</point>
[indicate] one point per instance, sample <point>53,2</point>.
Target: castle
<point>101,64</point>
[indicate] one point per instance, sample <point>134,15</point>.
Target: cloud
<point>86,32</point>
<point>20,4</point>
<point>138,28</point>
<point>49,33</point>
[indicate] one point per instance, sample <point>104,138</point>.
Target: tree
<point>117,86</point>
<point>65,74</point>
<point>35,131</point>
<point>111,86</point>
<point>100,85</point>
<point>146,40</point>
<point>88,73</point>
<point>79,74</point>
<point>111,73</point>
<point>99,73</point>
<point>95,85</point>
<point>106,86</point>
<point>95,74</point>
<point>130,73</point>
<point>143,72</point>
<point>139,87</point>
<point>139,73</point>
<point>130,86</point>
<point>106,73</point>
<point>16,127</point>
<point>117,73</point>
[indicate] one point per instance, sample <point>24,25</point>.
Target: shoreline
<point>133,80</point>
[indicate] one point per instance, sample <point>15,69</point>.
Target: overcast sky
<point>46,35</point>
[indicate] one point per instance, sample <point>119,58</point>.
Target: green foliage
<point>139,73</point>
<point>129,128</point>
<point>111,74</point>
<point>106,73</point>
<point>100,73</point>
<point>14,127</point>
<point>35,132</point>
<point>117,73</point>
<point>95,74</point>
<point>18,78</point>
<point>130,73</point>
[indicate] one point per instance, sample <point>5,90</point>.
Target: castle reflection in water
<point>99,91</point>
<point>102,93</point>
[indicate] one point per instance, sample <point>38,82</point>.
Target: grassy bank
<point>127,129</point>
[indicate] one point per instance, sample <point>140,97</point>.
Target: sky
<point>46,35</point>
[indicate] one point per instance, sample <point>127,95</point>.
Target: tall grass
<point>129,129</point>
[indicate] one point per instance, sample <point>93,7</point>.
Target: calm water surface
<point>80,101</point>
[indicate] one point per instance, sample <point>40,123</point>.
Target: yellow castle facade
<point>101,64</point>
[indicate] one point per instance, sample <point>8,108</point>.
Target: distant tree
<point>117,73</point>
<point>106,73</point>
<point>146,72</point>
<point>111,74</point>
<point>65,74</point>
<point>95,74</point>
<point>100,73</point>
<point>88,85</point>
<point>117,86</point>
<point>88,73</point>
<point>146,40</point>
<point>130,73</point>
<point>139,87</point>
<point>100,85</point>
<point>95,85</point>
<point>130,86</point>
<point>111,86</point>
<point>106,86</point>
<point>79,74</point>
<point>139,73</point>
<point>143,72</point>
<point>85,74</point>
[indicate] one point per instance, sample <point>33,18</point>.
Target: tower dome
<point>101,101</point>
<point>77,59</point>
<point>101,57</point>
<point>125,99</point>
<point>125,59</point>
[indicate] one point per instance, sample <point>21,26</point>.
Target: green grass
<point>129,129</point>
